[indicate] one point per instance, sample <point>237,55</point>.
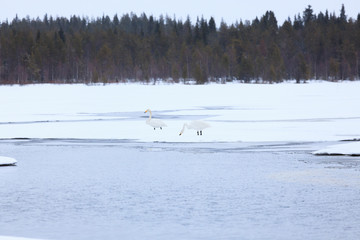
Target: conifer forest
<point>145,48</point>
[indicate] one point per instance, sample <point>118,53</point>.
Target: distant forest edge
<point>145,49</point>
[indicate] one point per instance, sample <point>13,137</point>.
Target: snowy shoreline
<point>327,148</point>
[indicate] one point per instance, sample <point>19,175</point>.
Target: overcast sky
<point>228,10</point>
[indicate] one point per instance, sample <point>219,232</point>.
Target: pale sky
<point>228,10</point>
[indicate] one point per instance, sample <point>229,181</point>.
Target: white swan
<point>196,125</point>
<point>155,123</point>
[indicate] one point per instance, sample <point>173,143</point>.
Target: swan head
<point>147,110</point>
<point>182,130</point>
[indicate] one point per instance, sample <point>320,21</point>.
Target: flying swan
<point>155,123</point>
<point>196,125</point>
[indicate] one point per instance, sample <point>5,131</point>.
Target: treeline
<point>142,48</point>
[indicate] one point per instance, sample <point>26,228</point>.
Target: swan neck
<point>183,129</point>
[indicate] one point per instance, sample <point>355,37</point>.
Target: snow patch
<point>7,161</point>
<point>350,149</point>
<point>16,238</point>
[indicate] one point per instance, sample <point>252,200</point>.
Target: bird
<point>197,125</point>
<point>155,123</point>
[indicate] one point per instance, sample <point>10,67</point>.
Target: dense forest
<point>144,48</point>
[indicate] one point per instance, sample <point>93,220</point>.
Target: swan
<point>155,123</point>
<point>196,125</point>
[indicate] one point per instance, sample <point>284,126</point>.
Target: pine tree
<point>142,48</point>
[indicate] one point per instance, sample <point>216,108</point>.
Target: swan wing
<point>198,125</point>
<point>156,123</point>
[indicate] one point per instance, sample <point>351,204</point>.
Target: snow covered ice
<point>16,238</point>
<point>6,161</point>
<point>237,112</point>
<point>89,167</point>
<point>351,149</point>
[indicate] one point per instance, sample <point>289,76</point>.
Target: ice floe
<point>351,149</point>
<point>7,161</point>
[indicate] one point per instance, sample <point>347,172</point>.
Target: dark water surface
<point>108,189</point>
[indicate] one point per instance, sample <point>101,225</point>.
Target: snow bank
<point>6,161</point>
<point>351,149</point>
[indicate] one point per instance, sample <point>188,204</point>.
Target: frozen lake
<point>121,189</point>
<point>237,112</point>
<point>89,167</point>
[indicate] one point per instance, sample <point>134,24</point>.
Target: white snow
<point>352,148</point>
<point>7,161</point>
<point>318,111</point>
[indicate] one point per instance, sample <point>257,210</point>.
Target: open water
<point>108,189</point>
